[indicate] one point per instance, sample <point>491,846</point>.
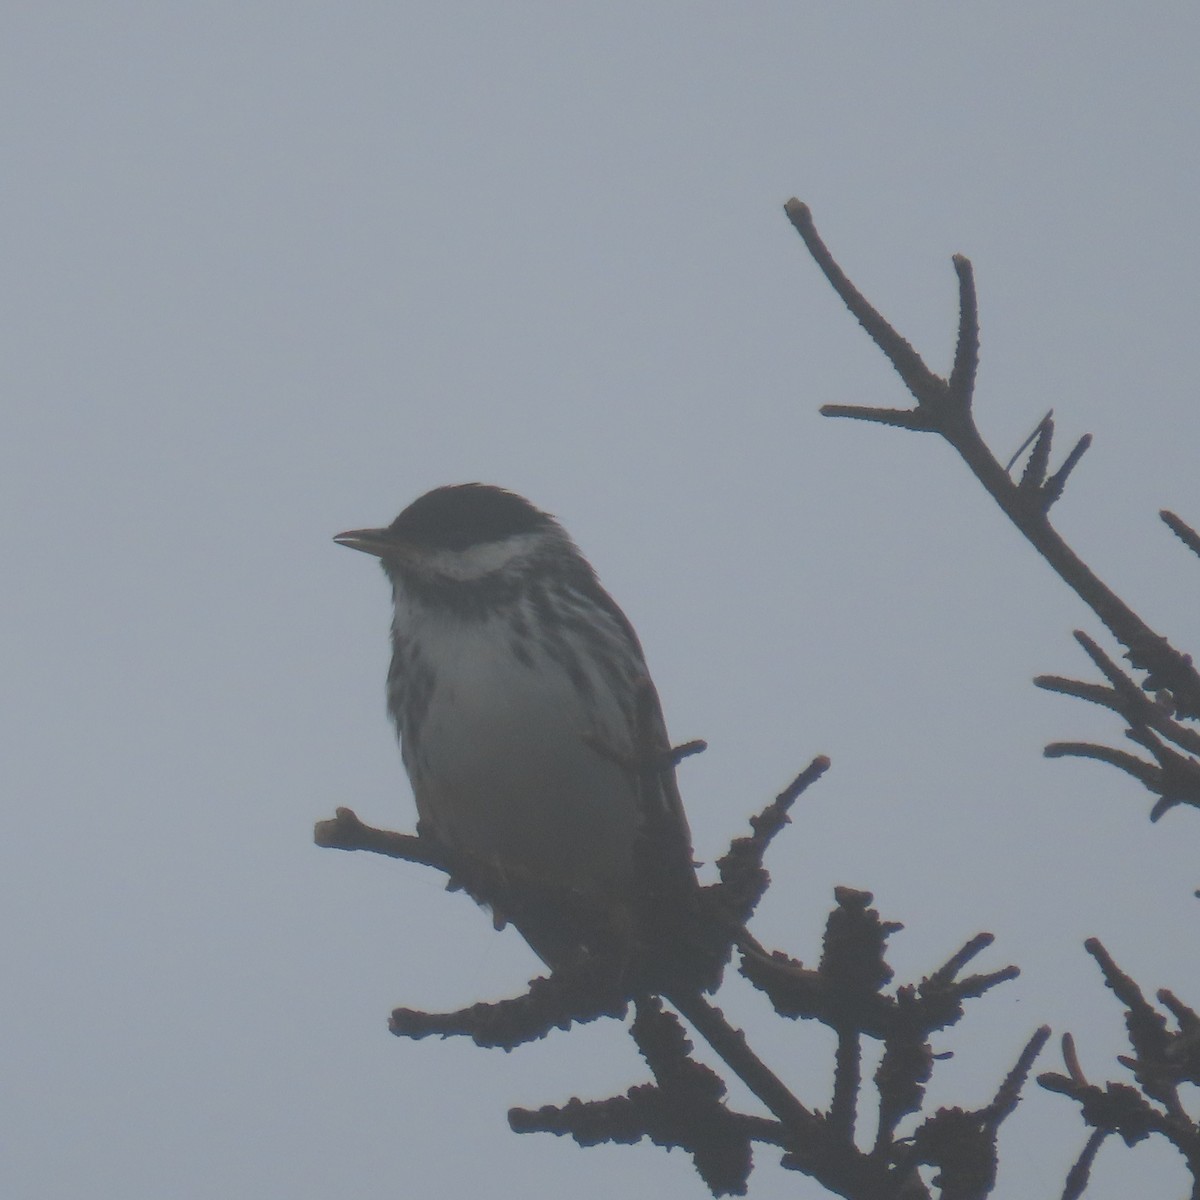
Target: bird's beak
<point>371,541</point>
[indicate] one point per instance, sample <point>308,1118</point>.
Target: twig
<point>1185,533</point>
<point>1080,1173</point>
<point>346,832</point>
<point>744,879</point>
<point>1162,1059</point>
<point>966,352</point>
<point>568,997</point>
<point>901,355</point>
<point>1039,434</point>
<point>1052,489</point>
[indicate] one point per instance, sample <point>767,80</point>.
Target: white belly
<point>505,774</point>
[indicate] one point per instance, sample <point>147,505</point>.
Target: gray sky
<point>275,269</point>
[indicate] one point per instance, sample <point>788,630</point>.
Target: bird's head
<point>462,533</point>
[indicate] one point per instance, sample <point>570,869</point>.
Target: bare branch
<point>1094,693</point>
<point>1009,1092</point>
<point>944,407</point>
<point>925,386</point>
<point>1145,773</point>
<point>1080,1173</point>
<point>1053,487</point>
<point>1034,475</point>
<point>1071,1058</point>
<point>744,879</point>
<point>571,996</point>
<point>901,418</point>
<point>1162,1059</point>
<point>961,1143</point>
<point>346,832</point>
<point>966,353</point>
<point>1185,533</point>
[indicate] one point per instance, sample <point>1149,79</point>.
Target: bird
<point>522,702</point>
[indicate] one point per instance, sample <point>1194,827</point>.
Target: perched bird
<point>521,698</point>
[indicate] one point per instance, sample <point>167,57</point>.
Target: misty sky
<point>273,270</point>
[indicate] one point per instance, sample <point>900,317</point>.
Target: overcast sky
<point>273,270</point>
